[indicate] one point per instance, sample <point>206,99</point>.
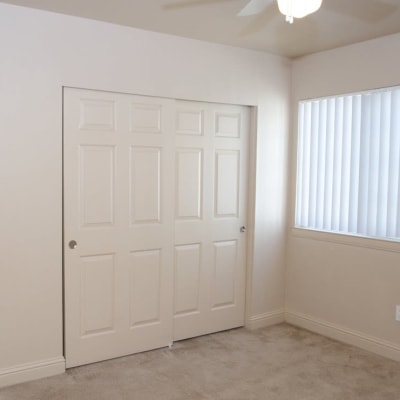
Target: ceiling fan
<point>365,10</point>
<point>289,8</point>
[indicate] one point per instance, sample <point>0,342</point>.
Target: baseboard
<point>31,371</point>
<point>345,335</point>
<point>266,319</point>
<point>55,366</point>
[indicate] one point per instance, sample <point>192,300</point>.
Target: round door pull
<point>72,244</point>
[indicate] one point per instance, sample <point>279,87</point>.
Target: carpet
<point>281,362</point>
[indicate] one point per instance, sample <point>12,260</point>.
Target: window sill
<point>347,239</point>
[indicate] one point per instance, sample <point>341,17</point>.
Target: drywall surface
<point>353,285</point>
<point>42,52</point>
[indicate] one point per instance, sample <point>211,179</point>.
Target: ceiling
<point>337,23</point>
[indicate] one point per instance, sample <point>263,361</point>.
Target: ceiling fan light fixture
<point>298,8</point>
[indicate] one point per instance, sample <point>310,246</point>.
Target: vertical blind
<point>348,164</point>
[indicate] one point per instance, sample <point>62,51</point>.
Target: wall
<point>42,52</point>
<point>342,287</point>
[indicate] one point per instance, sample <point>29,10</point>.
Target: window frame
<point>351,239</point>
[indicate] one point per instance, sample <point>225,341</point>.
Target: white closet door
<point>118,208</point>
<point>154,198</point>
<point>210,209</point>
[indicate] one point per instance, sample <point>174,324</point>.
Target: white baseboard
<point>55,366</point>
<point>31,371</point>
<point>345,335</point>
<point>266,319</point>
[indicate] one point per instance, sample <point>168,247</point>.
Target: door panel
<point>145,281</point>
<point>145,118</point>
<point>98,293</point>
<point>189,121</point>
<point>228,124</point>
<point>97,114</point>
<point>97,196</point>
<point>223,291</point>
<point>145,194</point>
<point>226,183</point>
<point>187,270</point>
<point>188,198</point>
<point>220,134</point>
<point>118,207</point>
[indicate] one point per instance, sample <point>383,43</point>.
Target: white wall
<point>343,289</point>
<point>40,53</point>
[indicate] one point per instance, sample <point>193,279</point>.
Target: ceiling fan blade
<point>254,7</point>
<point>365,10</point>
<point>191,3</point>
<point>260,21</point>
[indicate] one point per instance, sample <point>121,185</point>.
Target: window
<point>348,164</point>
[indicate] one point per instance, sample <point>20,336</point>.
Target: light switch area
<point>398,312</point>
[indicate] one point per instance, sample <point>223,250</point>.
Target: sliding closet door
<point>118,214</point>
<point>154,221</point>
<point>210,217</point>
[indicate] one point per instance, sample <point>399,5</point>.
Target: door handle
<point>242,229</point>
<point>72,244</point>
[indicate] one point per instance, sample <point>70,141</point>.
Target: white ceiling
<point>337,23</point>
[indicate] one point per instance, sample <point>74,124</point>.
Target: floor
<point>276,363</point>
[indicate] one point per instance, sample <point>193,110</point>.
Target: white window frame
<point>336,233</point>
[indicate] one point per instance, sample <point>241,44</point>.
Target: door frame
<point>251,202</point>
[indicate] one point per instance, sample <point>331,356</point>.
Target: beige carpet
<point>276,363</point>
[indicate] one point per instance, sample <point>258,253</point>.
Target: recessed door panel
<point>225,260</point>
<point>187,279</point>
<point>97,185</point>
<point>97,115</point>
<point>227,125</point>
<point>145,118</point>
<point>189,122</point>
<point>226,183</point>
<point>188,196</point>
<point>145,288</point>
<point>97,293</point>
<point>145,189</point>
